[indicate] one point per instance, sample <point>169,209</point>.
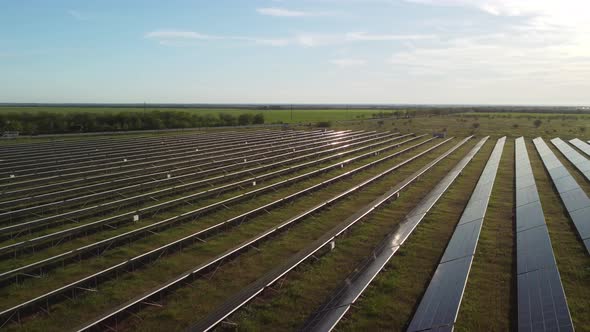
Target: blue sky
<point>296,51</point>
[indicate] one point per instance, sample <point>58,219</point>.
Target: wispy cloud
<point>282,12</point>
<point>348,62</point>
<point>76,15</point>
<point>172,37</point>
<point>362,36</point>
<point>177,34</point>
<point>312,40</point>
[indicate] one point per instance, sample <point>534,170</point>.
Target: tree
<point>537,123</point>
<point>258,118</point>
<point>245,119</point>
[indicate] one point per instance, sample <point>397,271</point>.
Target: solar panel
<point>574,199</point>
<point>542,305</point>
<point>576,158</point>
<point>439,306</point>
<point>540,308</point>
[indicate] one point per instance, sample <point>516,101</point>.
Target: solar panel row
<point>542,305</point>
<point>574,199</point>
<point>273,276</point>
<point>331,312</point>
<point>439,306</point>
<point>581,145</point>
<point>574,157</point>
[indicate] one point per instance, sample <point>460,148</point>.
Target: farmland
<point>266,229</point>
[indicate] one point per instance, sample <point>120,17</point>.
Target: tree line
<point>75,122</point>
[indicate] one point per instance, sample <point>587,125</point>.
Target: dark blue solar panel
<point>576,158</point>
<point>581,219</point>
<point>439,307</point>
<point>575,200</point>
<point>529,216</point>
<point>473,211</point>
<point>534,251</point>
<point>463,241</point>
<point>526,195</point>
<point>542,305</point>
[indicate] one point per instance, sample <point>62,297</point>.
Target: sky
<point>531,52</point>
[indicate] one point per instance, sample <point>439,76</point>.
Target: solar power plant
<point>277,229</point>
<point>439,306</point>
<point>542,305</point>
<point>574,198</point>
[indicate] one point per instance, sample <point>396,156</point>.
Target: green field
<point>494,124</point>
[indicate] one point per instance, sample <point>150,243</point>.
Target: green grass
<point>492,275</point>
<point>496,125</point>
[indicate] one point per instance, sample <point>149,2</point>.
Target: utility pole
<point>291,112</point>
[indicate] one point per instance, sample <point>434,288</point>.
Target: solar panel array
<point>62,204</point>
<point>574,157</point>
<point>384,143</point>
<point>250,291</point>
<point>440,304</point>
<point>542,305</point>
<point>585,147</point>
<point>574,199</point>
<point>331,312</point>
<point>111,242</point>
<point>251,173</point>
